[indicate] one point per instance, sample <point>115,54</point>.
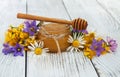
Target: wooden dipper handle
<point>78,24</point>
<point>40,18</point>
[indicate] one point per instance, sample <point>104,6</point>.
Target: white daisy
<point>38,48</point>
<point>76,42</point>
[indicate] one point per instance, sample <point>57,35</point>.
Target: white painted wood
<point>112,7</point>
<point>68,64</point>
<point>64,65</point>
<point>53,8</point>
<point>10,66</point>
<point>112,64</point>
<point>104,25</point>
<point>103,18</point>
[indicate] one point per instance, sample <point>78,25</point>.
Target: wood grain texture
<point>10,66</point>
<point>103,17</point>
<point>103,24</point>
<point>112,7</point>
<point>68,64</point>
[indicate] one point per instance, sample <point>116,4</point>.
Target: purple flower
<point>18,50</point>
<point>82,31</point>
<point>112,43</point>
<point>31,27</point>
<point>97,46</point>
<point>7,49</point>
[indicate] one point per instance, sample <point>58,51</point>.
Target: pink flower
<point>112,43</point>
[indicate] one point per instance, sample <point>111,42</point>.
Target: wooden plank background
<point>103,17</point>
<point>10,66</point>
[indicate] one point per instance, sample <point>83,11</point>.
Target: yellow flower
<point>89,53</point>
<point>8,36</point>
<point>104,52</point>
<point>107,48</point>
<point>24,35</point>
<point>15,30</point>
<point>12,43</point>
<point>99,39</point>
<point>30,40</point>
<point>15,34</point>
<point>89,37</point>
<point>26,42</point>
<point>11,38</point>
<point>20,27</point>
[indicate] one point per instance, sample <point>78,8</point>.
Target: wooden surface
<point>103,17</point>
<point>10,66</point>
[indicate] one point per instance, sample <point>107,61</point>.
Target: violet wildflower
<point>18,50</point>
<point>7,49</point>
<point>80,31</point>
<point>84,31</point>
<point>97,46</point>
<point>31,27</point>
<point>112,43</point>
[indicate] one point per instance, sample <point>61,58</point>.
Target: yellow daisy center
<point>75,43</point>
<point>38,51</point>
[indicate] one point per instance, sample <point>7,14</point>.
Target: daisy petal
<point>81,46</point>
<point>32,45</point>
<point>76,49</point>
<point>72,48</point>
<point>70,39</point>
<point>31,48</point>
<point>42,44</point>
<point>69,48</point>
<point>82,43</point>
<point>74,35</point>
<point>46,49</point>
<point>36,44</point>
<point>39,45</point>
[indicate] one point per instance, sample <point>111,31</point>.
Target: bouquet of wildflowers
<point>22,38</point>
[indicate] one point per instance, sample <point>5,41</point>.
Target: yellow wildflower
<point>89,37</point>
<point>99,39</point>
<point>107,48</point>
<point>20,27</point>
<point>24,35</point>
<point>89,53</point>
<point>10,38</point>
<point>27,42</point>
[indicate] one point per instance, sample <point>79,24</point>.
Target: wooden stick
<point>40,18</point>
<point>78,24</point>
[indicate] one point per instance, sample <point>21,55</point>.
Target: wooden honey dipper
<point>78,24</point>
